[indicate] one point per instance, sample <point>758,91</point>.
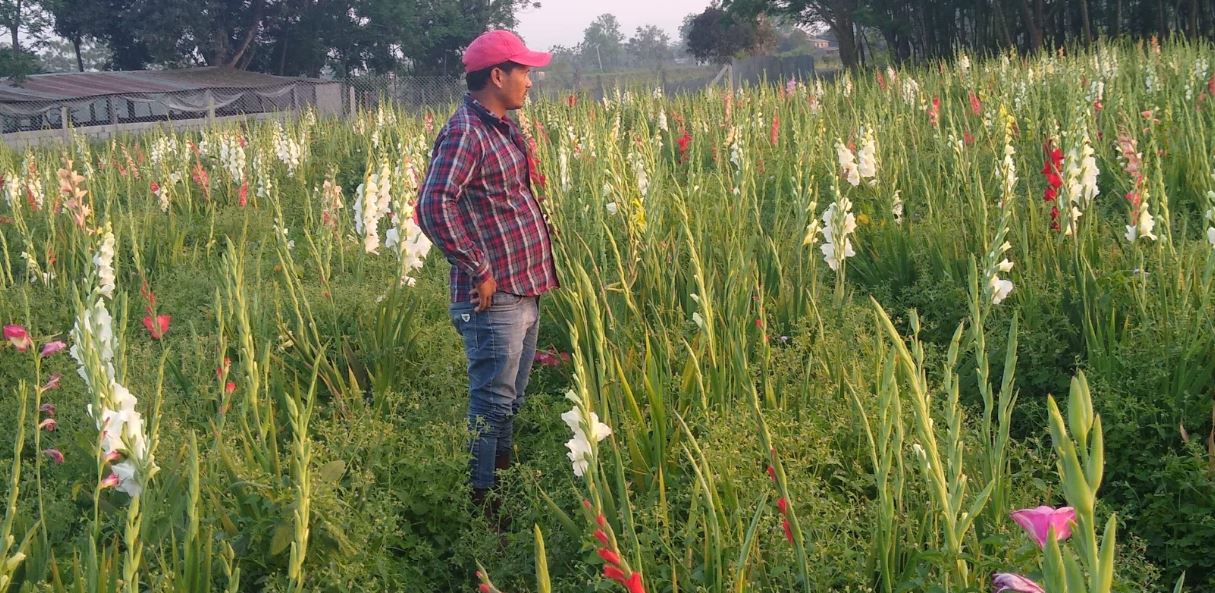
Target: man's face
<point>514,86</point>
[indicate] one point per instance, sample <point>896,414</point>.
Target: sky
<point>561,22</point>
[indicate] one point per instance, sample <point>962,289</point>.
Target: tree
<point>18,16</point>
<point>839,15</point>
<point>650,46</point>
<point>61,55</point>
<point>603,43</point>
<point>718,36</point>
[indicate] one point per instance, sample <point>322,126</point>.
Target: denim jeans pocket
<point>464,319</point>
<point>505,300</point>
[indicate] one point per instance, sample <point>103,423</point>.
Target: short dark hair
<point>478,79</point>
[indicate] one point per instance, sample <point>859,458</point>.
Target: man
<point>477,207</point>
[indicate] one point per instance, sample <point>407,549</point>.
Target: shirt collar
<point>484,112</point>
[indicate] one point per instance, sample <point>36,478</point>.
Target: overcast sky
<point>561,22</point>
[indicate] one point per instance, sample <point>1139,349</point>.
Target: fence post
<point>64,118</point>
<point>210,105</point>
<point>353,108</point>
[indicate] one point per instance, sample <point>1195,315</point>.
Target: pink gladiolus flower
<point>54,454</point>
<point>48,425</point>
<point>48,409</point>
<point>1037,522</point>
<point>1014,583</point>
<point>53,347</point>
<point>52,383</point>
<point>18,337</point>
<point>110,481</point>
<point>112,457</point>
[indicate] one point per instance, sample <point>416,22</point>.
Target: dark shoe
<point>503,461</point>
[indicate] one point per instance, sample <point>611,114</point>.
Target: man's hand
<point>485,294</point>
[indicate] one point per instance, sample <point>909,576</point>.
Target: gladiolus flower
<point>48,425</point>
<point>772,473</point>
<point>634,584</point>
<point>48,409</point>
<point>53,347</point>
<point>52,383</point>
<point>483,588</point>
<point>110,481</point>
<point>244,194</point>
<point>1038,522</point>
<point>18,337</point>
<point>1014,583</point>
<point>613,572</point>
<point>976,106</point>
<point>157,328</point>
<point>229,387</point>
<point>601,521</point>
<point>788,530</point>
<point>934,112</point>
<point>609,556</point>
<point>55,454</point>
<point>602,536</point>
<point>782,505</point>
<point>684,141</point>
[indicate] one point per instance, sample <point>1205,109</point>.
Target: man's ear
<point>498,77</point>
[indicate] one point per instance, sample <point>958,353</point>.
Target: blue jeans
<point>500,343</point>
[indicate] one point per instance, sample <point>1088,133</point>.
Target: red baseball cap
<point>494,47</point>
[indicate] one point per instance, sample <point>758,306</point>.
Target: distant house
<point>820,43</point>
<point>104,103</point>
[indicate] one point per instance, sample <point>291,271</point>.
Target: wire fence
<point>28,122</point>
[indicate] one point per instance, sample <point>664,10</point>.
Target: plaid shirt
<point>477,207</point>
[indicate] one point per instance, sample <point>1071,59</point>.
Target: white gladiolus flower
<point>848,163</point>
<point>104,261</point>
<point>999,289</point>
<point>1211,236</point>
<point>1005,266</point>
<point>963,63</point>
<point>582,446</point>
<point>838,223</point>
<point>867,158</point>
<point>612,208</point>
<point>1143,226</point>
<point>896,208</point>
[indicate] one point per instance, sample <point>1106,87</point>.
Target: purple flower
<point>1014,583</point>
<point>48,409</point>
<point>1037,522</point>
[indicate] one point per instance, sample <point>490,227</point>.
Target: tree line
<point>287,37</point>
<point>928,29</point>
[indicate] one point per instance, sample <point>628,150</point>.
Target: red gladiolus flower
<point>229,387</point>
<point>155,187</point>
<point>614,573</point>
<point>775,133</point>
<point>609,556</point>
<point>684,141</point>
<point>968,138</point>
<point>634,585</point>
<point>772,473</point>
<point>244,194</point>
<point>483,588</point>
<point>602,537</point>
<point>571,100</point>
<point>782,505</point>
<point>976,106</point>
<point>788,531</point>
<point>601,521</point>
<point>881,80</point>
<point>157,328</point>
<point>934,112</point>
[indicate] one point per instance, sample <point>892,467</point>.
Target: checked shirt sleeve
<point>454,162</point>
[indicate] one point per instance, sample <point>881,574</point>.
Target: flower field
<point>946,328</point>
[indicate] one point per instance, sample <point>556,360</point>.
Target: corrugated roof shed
<point>71,86</point>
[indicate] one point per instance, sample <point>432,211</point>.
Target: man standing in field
<point>477,207</point>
